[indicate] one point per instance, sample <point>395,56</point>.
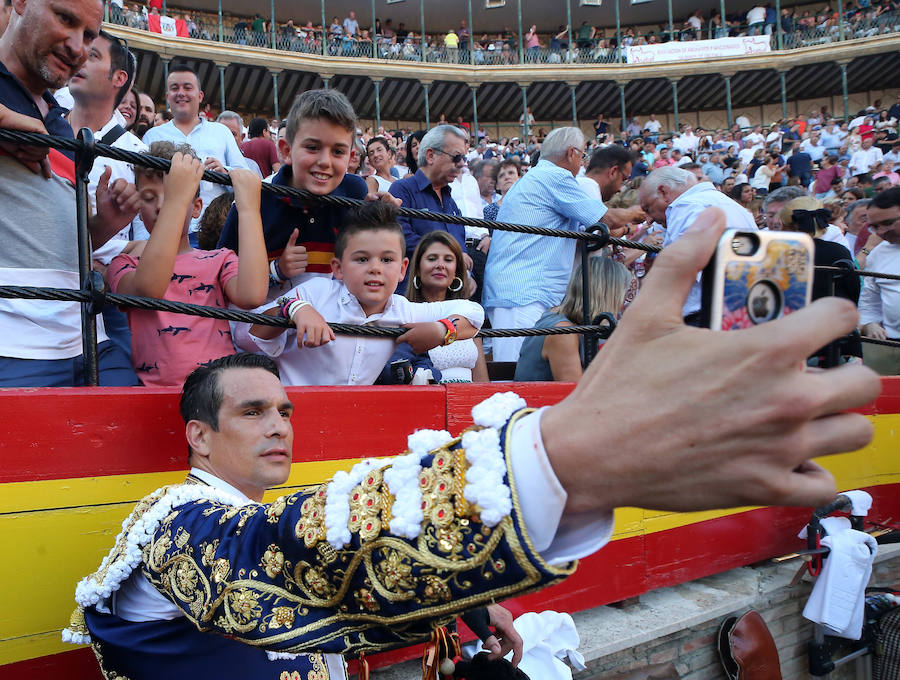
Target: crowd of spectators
<point>346,37</point>
<point>193,241</point>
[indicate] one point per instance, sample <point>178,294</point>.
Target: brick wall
<point>692,651</point>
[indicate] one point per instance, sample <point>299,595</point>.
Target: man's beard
<point>140,128</point>
<point>53,80</point>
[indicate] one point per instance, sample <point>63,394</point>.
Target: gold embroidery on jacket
<point>437,571</point>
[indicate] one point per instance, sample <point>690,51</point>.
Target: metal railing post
<point>620,51</point>
<point>471,43</point>
<point>728,108</point>
<point>373,35</point>
<point>521,46</point>
<point>325,36</point>
<point>779,40</point>
<point>840,9</point>
<point>422,55</point>
<point>84,161</point>
<point>589,340</point>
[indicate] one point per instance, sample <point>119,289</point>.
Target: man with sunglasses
<point>47,42</point>
<point>442,154</point>
<point>97,89</point>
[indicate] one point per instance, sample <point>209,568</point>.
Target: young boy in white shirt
<point>369,262</point>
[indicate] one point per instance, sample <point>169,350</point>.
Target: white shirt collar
<point>219,484</point>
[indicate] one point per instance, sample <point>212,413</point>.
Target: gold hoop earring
<point>458,287</point>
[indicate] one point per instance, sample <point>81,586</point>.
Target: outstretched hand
<point>722,419</point>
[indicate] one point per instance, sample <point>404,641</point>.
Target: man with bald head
<point>673,197</point>
<point>45,44</point>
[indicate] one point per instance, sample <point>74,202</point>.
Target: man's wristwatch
<point>450,335</point>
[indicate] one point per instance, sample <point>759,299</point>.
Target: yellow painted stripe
<point>53,494</point>
<point>54,532</point>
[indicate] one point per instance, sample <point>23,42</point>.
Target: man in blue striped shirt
<point>527,274</point>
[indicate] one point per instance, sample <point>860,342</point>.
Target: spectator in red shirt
<point>261,148</point>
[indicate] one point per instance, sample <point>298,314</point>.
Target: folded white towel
<point>861,502</point>
<point>837,599</point>
<point>547,638</point>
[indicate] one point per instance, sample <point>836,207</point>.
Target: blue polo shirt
<point>13,95</point>
<point>416,192</point>
<point>318,222</point>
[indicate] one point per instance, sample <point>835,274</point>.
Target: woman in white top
<point>437,274</point>
<point>381,158</point>
<point>766,177</point>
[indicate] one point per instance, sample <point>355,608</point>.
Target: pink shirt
<point>166,347</point>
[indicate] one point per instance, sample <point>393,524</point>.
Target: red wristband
<point>450,335</point>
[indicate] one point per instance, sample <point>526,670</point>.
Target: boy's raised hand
<point>311,326</point>
<point>294,259</point>
<point>247,187</point>
<point>183,178</point>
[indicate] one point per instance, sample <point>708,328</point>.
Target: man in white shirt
<point>813,146</point>
<point>212,141</point>
<point>832,136</point>
<point>879,300</point>
<point>892,158</point>
<point>756,18</point>
<point>652,126</point>
<point>867,156</point>
<point>673,197</point>
<point>97,88</point>
<point>755,139</point>
<point>351,25</point>
<point>687,141</point>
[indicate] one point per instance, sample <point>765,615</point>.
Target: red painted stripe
<point>62,433</point>
<point>87,432</point>
<point>78,663</point>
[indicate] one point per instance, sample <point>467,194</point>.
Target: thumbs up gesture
<point>294,259</point>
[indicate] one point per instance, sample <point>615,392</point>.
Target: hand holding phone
<point>756,276</point>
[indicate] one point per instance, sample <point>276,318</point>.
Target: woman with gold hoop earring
<point>437,274</point>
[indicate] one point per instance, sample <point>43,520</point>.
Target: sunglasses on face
<point>456,159</point>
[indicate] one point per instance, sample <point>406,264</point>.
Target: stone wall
<point>677,626</point>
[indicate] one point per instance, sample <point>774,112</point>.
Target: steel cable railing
<point>93,294</point>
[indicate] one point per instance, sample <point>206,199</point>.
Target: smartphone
<point>754,277</point>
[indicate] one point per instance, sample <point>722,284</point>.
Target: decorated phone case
<point>744,290</point>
